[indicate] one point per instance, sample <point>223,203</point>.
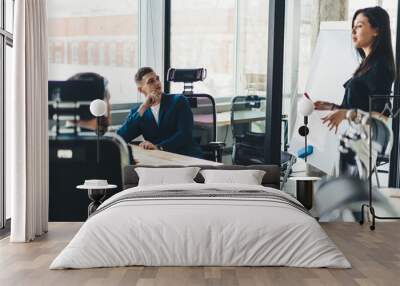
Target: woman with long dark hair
<point>375,75</point>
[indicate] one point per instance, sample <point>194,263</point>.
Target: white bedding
<point>200,231</point>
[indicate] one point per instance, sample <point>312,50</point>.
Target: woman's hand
<point>334,118</point>
<point>323,105</point>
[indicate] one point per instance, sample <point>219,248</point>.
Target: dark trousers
<point>348,165</point>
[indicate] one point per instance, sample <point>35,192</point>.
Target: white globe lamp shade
<point>305,106</point>
<point>98,107</point>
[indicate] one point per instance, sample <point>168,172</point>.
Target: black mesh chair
<point>73,152</point>
<point>72,161</point>
<point>248,132</point>
<point>248,129</point>
<point>204,112</point>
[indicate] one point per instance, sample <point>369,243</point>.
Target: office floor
<point>375,258</point>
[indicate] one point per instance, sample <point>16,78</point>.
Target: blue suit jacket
<point>174,131</point>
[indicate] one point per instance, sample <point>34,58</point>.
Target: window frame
<point>394,168</point>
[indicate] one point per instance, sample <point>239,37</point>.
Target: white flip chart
<point>333,62</point>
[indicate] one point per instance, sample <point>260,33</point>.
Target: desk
<point>160,158</point>
<point>224,118</point>
<point>393,196</point>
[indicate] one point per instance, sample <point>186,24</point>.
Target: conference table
<point>163,158</point>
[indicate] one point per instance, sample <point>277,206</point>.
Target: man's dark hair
<point>92,76</point>
<point>141,73</point>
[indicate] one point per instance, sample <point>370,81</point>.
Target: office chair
<point>204,111</point>
<point>73,152</point>
<point>353,187</point>
<point>248,132</point>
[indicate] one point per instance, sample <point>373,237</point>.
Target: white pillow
<point>248,177</point>
<point>166,176</point>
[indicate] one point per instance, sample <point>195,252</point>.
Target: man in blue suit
<point>164,120</point>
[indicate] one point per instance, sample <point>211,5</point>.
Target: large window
<point>228,37</point>
<point>6,43</point>
<point>252,47</point>
<point>203,35</point>
<point>95,36</point>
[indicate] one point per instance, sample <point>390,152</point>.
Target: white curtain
<point>26,117</point>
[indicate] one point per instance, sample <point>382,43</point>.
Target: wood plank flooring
<point>375,257</point>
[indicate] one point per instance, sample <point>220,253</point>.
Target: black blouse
<point>376,81</point>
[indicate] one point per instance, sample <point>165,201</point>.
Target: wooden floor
<point>375,257</point>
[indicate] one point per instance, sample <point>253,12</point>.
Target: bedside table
<point>97,190</point>
<point>305,189</point>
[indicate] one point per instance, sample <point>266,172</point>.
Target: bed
<point>197,224</point>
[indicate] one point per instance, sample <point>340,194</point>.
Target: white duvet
<point>200,231</point>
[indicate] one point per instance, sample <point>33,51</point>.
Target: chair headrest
<point>186,75</point>
<point>76,90</point>
<point>73,97</point>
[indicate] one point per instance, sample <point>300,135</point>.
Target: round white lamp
<point>98,108</point>
<point>96,188</point>
<point>305,107</point>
